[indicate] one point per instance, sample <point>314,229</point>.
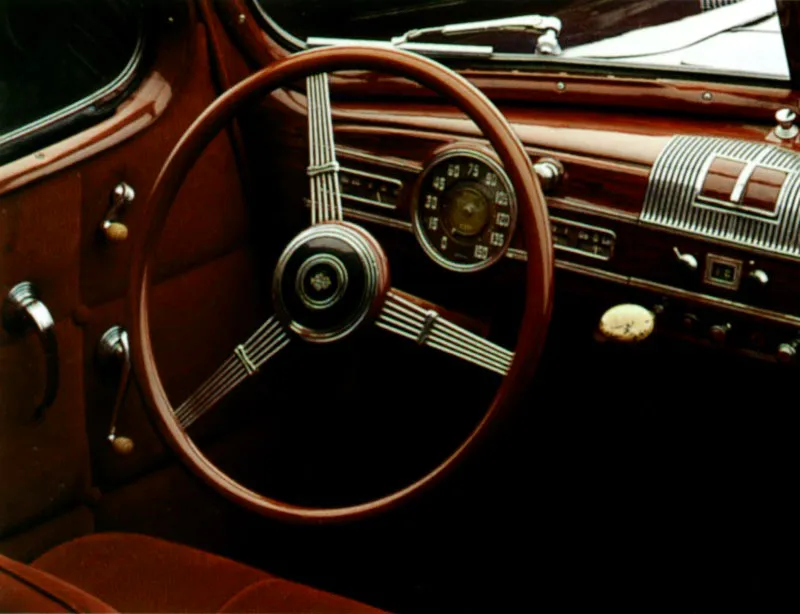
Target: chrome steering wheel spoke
<point>323,168</point>
<point>245,361</point>
<point>429,327</point>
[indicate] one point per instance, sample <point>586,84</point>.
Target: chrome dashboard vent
<point>676,193</point>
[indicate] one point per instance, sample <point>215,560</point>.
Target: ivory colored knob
<point>116,232</point>
<point>122,445</point>
<point>627,323</point>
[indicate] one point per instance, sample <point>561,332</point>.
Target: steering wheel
<point>333,277</point>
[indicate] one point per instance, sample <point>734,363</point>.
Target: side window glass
<point>63,63</point>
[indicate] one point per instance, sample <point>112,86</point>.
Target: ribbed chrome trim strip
<point>710,5</point>
<point>677,177</point>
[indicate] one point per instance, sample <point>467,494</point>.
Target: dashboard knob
<point>757,279</point>
<point>687,262</point>
<point>719,332</point>
<point>786,352</point>
<point>550,172</point>
<point>627,323</point>
<point>786,128</point>
<point>689,321</point>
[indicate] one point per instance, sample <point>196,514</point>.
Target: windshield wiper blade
<point>548,28</point>
<point>440,50</point>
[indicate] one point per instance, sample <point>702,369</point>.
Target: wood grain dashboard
<point>608,135</point>
<point>705,287</point>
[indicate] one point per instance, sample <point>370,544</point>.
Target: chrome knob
<point>757,279</point>
<point>550,172</point>
<point>786,352</point>
<point>687,262</point>
<point>786,128</point>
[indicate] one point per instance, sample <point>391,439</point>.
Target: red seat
<point>135,573</point>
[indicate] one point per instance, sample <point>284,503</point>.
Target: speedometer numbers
<point>465,211</point>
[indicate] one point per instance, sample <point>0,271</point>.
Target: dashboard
<point>704,235</point>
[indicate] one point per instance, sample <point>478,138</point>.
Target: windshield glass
<point>734,37</point>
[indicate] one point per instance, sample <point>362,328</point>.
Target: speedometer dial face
<point>465,211</point>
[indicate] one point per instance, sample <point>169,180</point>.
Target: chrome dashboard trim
<point>736,264</point>
<point>368,201</point>
<point>386,162</point>
<point>517,254</point>
<point>672,202</point>
<point>376,218</point>
<point>574,250</point>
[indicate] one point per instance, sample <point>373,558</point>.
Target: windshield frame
<point>788,12</point>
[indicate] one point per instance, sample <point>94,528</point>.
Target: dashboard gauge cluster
<point>464,210</point>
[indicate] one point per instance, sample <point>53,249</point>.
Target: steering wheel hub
<point>321,281</point>
<point>328,281</point>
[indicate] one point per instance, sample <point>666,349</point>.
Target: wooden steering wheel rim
<point>533,216</point>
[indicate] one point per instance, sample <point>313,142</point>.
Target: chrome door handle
<point>22,310</point>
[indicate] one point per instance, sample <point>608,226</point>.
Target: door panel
<point>50,235</point>
<point>45,463</point>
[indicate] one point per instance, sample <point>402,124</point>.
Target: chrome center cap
<point>321,281</point>
<point>329,280</point>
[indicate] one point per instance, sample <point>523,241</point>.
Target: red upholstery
<point>134,573</point>
<point>291,598</point>
<point>24,589</point>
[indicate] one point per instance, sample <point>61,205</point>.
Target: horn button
<point>329,280</point>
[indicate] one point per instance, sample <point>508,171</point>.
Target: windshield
<point>731,37</point>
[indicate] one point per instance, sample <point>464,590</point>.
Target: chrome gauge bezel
<point>433,251</point>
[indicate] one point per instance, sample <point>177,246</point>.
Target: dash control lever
<point>114,349</point>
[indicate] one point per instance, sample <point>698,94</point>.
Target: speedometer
<point>465,211</point>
